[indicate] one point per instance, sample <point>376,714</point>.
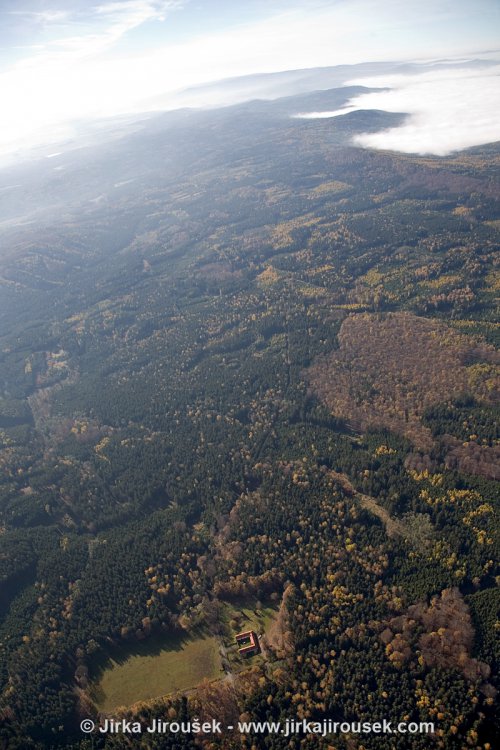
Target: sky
<point>63,61</point>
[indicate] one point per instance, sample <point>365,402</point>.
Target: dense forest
<point>265,369</point>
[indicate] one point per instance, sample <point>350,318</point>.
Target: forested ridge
<point>272,373</point>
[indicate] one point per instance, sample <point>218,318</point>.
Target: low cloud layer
<point>62,62</point>
<point>448,110</point>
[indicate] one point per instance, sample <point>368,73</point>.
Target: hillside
<point>226,338</point>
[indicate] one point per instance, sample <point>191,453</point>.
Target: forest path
<point>393,526</point>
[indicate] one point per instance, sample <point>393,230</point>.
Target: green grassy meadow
<point>152,670</point>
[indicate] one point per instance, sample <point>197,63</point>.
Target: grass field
<point>152,669</point>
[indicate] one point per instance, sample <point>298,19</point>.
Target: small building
<point>248,643</point>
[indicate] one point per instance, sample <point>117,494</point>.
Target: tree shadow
<point>114,654</point>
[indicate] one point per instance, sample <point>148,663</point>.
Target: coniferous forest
<point>256,386</point>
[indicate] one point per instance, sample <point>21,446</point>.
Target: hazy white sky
<point>61,61</point>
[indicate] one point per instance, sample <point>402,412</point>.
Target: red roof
<point>250,636</point>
